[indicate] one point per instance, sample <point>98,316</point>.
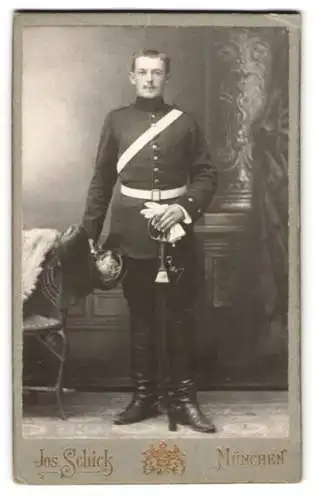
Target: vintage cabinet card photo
<point>156,251</point>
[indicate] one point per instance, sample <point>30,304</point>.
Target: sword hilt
<point>161,238</point>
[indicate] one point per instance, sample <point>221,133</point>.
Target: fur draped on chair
<point>36,243</point>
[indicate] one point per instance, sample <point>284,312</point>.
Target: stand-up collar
<point>155,104</point>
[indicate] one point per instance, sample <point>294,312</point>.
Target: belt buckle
<point>156,195</point>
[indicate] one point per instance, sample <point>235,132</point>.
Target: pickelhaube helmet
<point>87,267</point>
<point>109,268</point>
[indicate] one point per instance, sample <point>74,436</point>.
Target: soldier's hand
<point>171,216</point>
<point>94,247</point>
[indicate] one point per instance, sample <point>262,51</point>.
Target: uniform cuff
<point>189,204</point>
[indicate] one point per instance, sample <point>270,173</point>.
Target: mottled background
<point>235,81</point>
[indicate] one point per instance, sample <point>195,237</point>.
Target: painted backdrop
<point>235,82</point>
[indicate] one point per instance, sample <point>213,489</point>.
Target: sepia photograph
<point>155,242</point>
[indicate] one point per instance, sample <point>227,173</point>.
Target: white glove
<point>175,233</point>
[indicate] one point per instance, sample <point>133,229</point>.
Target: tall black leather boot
<point>185,407</point>
<point>144,403</point>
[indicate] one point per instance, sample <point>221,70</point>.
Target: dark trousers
<point>140,292</point>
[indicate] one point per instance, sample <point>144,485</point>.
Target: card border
<point>23,458</point>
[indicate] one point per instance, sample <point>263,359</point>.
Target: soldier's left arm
<point>203,176</point>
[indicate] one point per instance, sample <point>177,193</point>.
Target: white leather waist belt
<point>153,194</point>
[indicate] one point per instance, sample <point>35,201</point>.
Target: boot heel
<point>172,426</point>
<point>172,419</point>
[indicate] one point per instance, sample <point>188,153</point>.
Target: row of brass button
<point>155,157</point>
<point>156,169</point>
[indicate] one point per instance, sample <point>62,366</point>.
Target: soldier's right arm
<point>102,182</point>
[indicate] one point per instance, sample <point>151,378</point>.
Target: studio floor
<point>90,415</point>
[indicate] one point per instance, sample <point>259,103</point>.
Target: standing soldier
<point>157,154</point>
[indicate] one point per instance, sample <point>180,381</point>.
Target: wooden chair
<point>43,321</point>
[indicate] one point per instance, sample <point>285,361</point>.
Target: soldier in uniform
<point>172,168</point>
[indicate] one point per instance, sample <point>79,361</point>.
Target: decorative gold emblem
<point>160,459</point>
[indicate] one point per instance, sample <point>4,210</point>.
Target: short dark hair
<point>152,53</point>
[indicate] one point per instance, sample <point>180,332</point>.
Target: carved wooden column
<point>239,67</point>
<point>246,81</point>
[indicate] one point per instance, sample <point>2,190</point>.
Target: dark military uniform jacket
<point>176,157</point>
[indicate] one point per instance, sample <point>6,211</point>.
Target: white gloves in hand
<point>175,233</point>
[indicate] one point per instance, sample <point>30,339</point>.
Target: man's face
<point>149,77</point>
